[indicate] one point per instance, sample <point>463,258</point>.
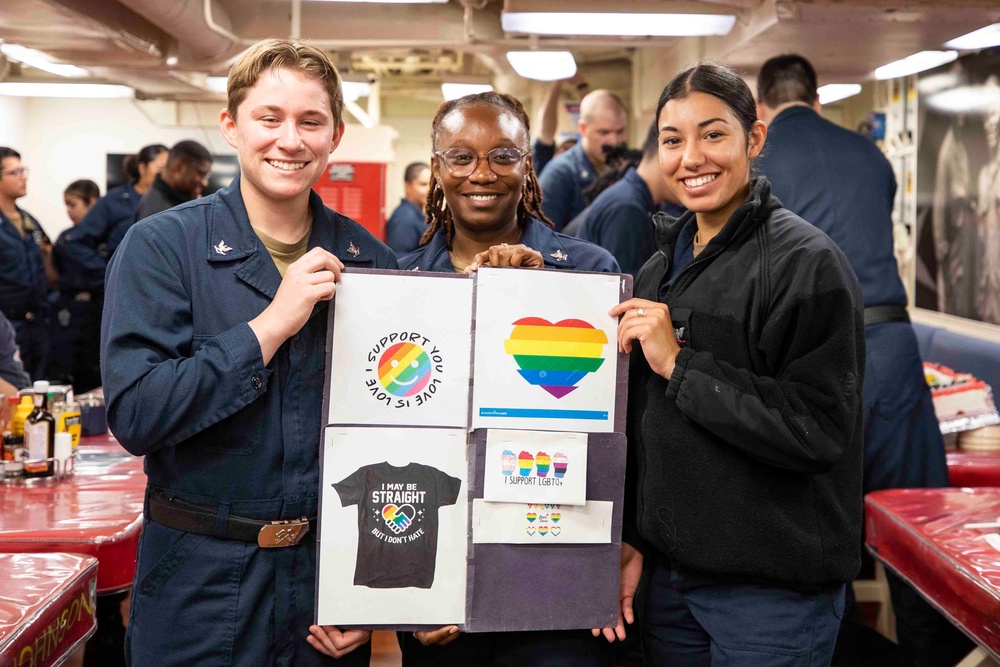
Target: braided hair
<point>435,210</point>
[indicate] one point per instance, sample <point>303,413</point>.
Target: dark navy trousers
<point>259,602</point>
<point>691,620</point>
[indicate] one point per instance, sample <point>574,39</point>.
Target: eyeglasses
<point>462,162</point>
<point>16,173</point>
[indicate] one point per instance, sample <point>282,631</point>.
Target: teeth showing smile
<point>701,180</point>
<point>483,197</point>
<point>286,166</point>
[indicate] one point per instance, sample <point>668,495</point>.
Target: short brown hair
<point>269,54</point>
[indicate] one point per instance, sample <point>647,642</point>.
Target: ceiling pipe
<point>182,20</point>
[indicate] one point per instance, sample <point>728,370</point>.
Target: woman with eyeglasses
<point>484,209</point>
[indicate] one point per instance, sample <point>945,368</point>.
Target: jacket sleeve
<point>557,194</point>
<point>160,390</point>
<point>802,418</point>
<point>83,243</point>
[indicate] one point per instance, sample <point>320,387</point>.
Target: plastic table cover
<point>973,469</point>
<point>96,511</point>
<point>946,543</point>
<point>47,607</point>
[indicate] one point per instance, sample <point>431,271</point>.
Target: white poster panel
<point>392,527</point>
<point>548,524</point>
<point>401,350</point>
<point>545,352</point>
<point>535,467</point>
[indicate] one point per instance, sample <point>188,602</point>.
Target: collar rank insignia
<point>222,248</point>
<point>559,256</point>
<point>353,249</point>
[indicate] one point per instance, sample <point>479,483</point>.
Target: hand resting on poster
<point>334,642</point>
<point>439,637</point>
<point>631,570</point>
<point>649,323</point>
<point>507,255</point>
<point>310,279</point>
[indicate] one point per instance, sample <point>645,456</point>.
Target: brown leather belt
<point>172,512</point>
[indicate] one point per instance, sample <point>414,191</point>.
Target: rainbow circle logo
<point>404,369</point>
<point>556,356</point>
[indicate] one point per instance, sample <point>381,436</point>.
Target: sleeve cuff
<point>674,384</point>
<point>243,348</point>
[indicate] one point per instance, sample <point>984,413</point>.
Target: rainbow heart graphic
<point>398,518</point>
<point>556,356</point>
<point>530,530</point>
<point>404,369</point>
<point>556,530</point>
<point>531,516</point>
<point>555,516</point>
<point>542,530</point>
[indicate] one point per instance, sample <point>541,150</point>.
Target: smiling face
<point>482,204</point>
<point>705,155</point>
<point>284,135</point>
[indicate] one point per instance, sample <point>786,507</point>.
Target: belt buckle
<point>286,533</point>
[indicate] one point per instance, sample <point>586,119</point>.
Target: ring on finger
<point>640,312</point>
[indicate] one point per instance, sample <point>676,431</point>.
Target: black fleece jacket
<point>747,463</point>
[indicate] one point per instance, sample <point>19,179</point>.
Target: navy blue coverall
<point>404,228</point>
<point>620,219</point>
<point>81,256</point>
<point>22,291</point>
<point>186,386</point>
<point>524,649</point>
<point>562,183</point>
<point>841,182</point>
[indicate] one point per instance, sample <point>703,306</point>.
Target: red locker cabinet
<point>357,190</point>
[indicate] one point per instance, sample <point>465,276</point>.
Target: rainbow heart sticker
<point>556,356</point>
<point>542,530</point>
<point>398,519</point>
<point>531,516</point>
<point>555,516</point>
<point>404,369</point>
<point>530,530</point>
<point>556,530</point>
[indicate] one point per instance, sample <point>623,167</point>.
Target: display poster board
<point>401,348</point>
<point>393,506</point>
<point>429,519</point>
<point>546,352</point>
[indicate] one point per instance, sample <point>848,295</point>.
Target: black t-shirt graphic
<point>397,521</point>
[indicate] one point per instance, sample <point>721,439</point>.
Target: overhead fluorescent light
<point>217,84</point>
<point>965,99</point>
<point>77,90</point>
<point>617,24</point>
<point>452,91</point>
<point>918,62</point>
<point>39,60</point>
<point>977,39</point>
<point>833,92</point>
<point>543,65</point>
<point>354,90</point>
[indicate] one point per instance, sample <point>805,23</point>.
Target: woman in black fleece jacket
<point>744,486</point>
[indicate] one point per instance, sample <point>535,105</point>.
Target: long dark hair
<point>530,206</point>
<point>718,81</point>
<point>130,165</point>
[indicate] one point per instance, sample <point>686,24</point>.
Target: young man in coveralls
<point>213,365</point>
